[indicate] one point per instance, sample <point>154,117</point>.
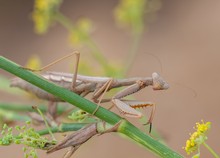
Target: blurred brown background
<point>185,37</point>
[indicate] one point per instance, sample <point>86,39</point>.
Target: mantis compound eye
<point>158,82</point>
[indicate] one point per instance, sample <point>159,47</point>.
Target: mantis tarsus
<point>83,85</point>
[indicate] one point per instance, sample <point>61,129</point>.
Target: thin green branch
<point>46,123</point>
<point>13,116</point>
<point>28,108</point>
<point>63,20</point>
<point>63,127</point>
<point>211,150</point>
<point>88,106</point>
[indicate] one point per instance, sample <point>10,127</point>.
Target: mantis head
<point>158,82</point>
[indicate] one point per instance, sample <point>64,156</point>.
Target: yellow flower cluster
<point>43,13</point>
<point>203,127</point>
<point>34,63</point>
<point>198,137</point>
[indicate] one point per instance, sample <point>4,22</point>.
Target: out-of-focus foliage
<point>4,87</point>
<point>80,32</point>
<point>133,14</point>
<point>127,13</point>
<point>130,13</point>
<point>43,14</point>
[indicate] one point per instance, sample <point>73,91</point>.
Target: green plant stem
<point>125,127</point>
<point>63,127</point>
<point>46,123</point>
<point>211,150</point>
<point>130,130</point>
<point>64,21</point>
<point>13,116</point>
<point>28,108</point>
<point>58,91</point>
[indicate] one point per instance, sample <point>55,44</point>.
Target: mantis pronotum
<point>83,85</point>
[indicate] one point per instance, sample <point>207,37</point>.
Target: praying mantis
<point>84,85</point>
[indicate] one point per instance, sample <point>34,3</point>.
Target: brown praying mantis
<point>83,85</point>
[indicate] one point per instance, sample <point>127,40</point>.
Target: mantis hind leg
<point>59,60</point>
<point>52,108</point>
<point>52,63</point>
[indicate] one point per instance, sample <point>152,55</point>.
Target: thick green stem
<point>58,91</point>
<point>154,146</point>
<point>88,106</point>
